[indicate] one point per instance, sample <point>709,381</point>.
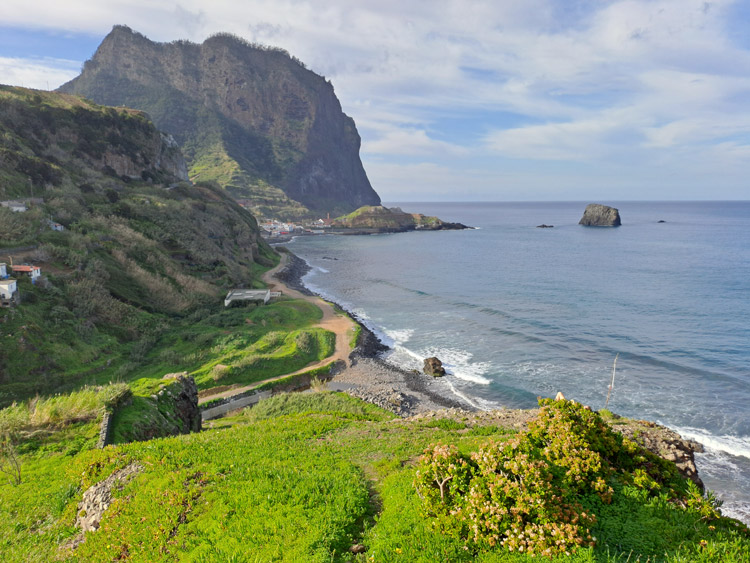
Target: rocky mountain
<point>252,118</point>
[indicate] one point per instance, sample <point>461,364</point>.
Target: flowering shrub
<point>525,494</point>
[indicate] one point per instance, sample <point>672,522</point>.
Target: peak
<point>121,28</point>
<point>123,31</point>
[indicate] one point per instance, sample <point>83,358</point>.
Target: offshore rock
<point>378,219</point>
<point>433,367</point>
<point>597,215</point>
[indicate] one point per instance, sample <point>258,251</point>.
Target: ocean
<point>516,312</point>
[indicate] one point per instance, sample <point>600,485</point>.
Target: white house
<point>3,271</point>
<point>8,292</point>
<point>257,295</point>
<point>33,271</point>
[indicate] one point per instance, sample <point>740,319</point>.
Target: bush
<point>527,494</point>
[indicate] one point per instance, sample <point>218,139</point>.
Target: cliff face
<point>254,119</point>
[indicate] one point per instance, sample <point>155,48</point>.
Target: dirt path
<point>341,325</point>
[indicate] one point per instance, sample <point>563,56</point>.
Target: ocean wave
<point>399,336</point>
<point>360,314</point>
<point>735,445</point>
<point>458,363</point>
<point>463,396</point>
<point>402,357</point>
<point>724,472</point>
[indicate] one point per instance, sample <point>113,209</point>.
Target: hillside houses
<point>9,292</point>
<point>32,271</point>
<point>275,228</point>
<point>21,205</point>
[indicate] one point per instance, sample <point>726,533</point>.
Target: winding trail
<point>341,325</point>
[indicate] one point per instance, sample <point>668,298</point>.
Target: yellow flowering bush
<point>526,494</point>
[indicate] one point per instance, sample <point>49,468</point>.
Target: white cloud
<point>41,74</point>
<point>586,80</point>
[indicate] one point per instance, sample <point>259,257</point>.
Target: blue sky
<point>477,100</point>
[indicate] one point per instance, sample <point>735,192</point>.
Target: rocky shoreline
<point>414,395</point>
<point>371,378</point>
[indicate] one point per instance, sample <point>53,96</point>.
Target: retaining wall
<point>221,410</point>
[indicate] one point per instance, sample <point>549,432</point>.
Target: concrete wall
<point>105,430</point>
<point>221,410</point>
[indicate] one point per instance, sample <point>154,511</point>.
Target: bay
<point>517,312</point>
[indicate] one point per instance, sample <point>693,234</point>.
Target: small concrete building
<point>32,271</point>
<point>3,271</point>
<point>258,295</point>
<point>8,293</point>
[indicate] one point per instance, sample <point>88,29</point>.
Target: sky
<point>469,100</point>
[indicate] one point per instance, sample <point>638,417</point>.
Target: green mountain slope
<point>141,253</point>
<point>251,118</point>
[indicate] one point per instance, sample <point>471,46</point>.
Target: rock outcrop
<point>663,442</point>
<point>251,117</point>
<point>597,215</point>
<point>376,218</point>
<point>184,396</point>
<point>97,498</point>
<point>171,410</point>
<point>433,367</point>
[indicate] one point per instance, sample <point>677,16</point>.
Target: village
<point>273,229</point>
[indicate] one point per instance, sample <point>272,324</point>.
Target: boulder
<point>433,367</point>
<point>597,215</point>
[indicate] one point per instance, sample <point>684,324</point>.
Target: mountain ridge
<point>252,118</point>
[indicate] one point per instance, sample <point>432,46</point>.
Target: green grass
<point>301,478</point>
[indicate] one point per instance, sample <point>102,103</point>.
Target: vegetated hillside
<point>140,250</point>
<point>252,118</point>
<point>317,477</point>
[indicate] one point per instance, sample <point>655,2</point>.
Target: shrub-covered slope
<point>140,252</point>
<point>309,477</point>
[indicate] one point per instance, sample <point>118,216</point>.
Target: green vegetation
<point>303,477</point>
<point>132,287</point>
<point>528,494</point>
<point>383,218</point>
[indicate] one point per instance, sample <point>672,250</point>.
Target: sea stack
<point>434,367</point>
<point>597,215</point>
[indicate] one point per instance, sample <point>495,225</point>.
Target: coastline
<point>369,377</point>
<point>414,395</point>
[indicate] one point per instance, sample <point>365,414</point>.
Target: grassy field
<point>303,478</point>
